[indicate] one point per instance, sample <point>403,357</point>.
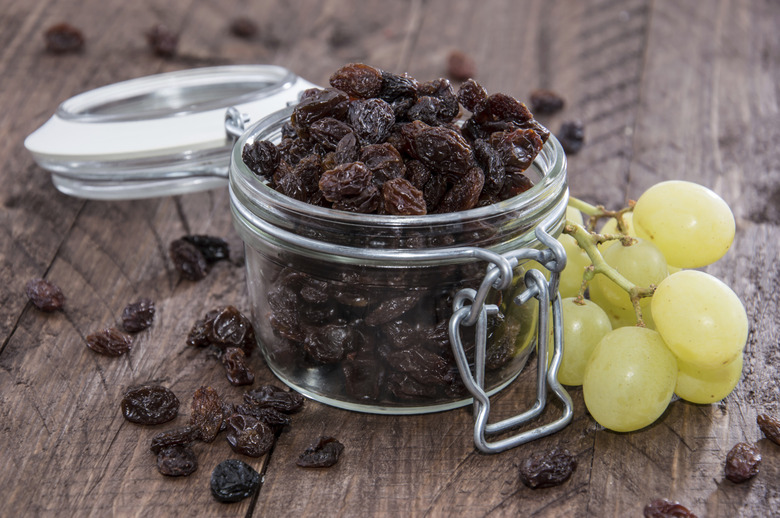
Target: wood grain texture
<point>666,89</point>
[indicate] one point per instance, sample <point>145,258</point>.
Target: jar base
<point>385,410</point>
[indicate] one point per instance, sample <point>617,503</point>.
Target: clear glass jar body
<point>352,309</point>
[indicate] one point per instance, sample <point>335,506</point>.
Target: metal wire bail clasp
<point>470,309</point>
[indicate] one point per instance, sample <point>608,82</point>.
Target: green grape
<point>629,379</point>
<point>574,216</point>
<point>704,386</point>
<point>576,262</point>
<point>641,263</point>
<point>689,223</point>
<point>700,318</point>
<point>584,325</point>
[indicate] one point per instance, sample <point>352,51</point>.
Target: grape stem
<point>588,240</point>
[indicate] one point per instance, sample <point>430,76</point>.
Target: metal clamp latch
<point>470,309</point>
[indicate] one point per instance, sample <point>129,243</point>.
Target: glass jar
<point>352,309</point>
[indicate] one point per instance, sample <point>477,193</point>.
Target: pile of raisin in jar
<point>351,281</point>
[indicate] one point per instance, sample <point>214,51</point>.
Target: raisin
<point>223,328</point>
<point>434,192</point>
<point>572,136</point>
<point>363,376</point>
<point>233,480</point>
<point>426,110</point>
<point>442,90</point>
<point>396,86</point>
<point>500,107</point>
<point>547,469</point>
<point>138,316</point>
<point>406,388</point>
<point>149,404</point>
<point>663,508</point>
<point>371,120</point>
<point>742,463</point>
<point>517,148</point>
<point>384,161</point>
<point>471,94</point>
<point>44,295</point>
<point>63,38</point>
<point>328,132</point>
<point>347,149</point>
<point>345,181</point>
<point>162,41</point>
<point>270,396</point>
<point>493,166</point>
<point>546,101</point>
<point>464,194</point>
<point>206,413</point>
<point>423,366</point>
<point>321,103</point>
<point>460,66</point>
<point>391,309</point>
<point>262,158</point>
<point>401,197</point>
<point>358,80</point>
<point>514,184</point>
<point>329,344</point>
<point>273,418</point>
<point>188,260</point>
<point>243,27</point>
<point>213,248</point>
<point>176,461</point>
<point>301,182</point>
<point>439,148</point>
<point>237,370</point>
<point>366,202</point>
<point>324,453</point>
<point>417,174</point>
<point>110,342</point>
<point>249,436</point>
<point>178,436</point>
<point>770,426</point>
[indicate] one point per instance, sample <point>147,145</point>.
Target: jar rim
<point>551,162</point>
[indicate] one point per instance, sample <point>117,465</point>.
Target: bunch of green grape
<point>694,327</point>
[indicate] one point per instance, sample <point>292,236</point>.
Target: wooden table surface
<point>666,89</point>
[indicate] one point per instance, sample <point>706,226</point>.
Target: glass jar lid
<point>157,135</point>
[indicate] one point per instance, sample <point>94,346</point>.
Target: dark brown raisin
<point>324,453</point>
<point>243,27</point>
<point>663,508</point>
<point>547,469</point>
<point>417,174</point>
<point>62,38</point>
<point>396,86</point>
<point>178,436</point>
<point>270,396</point>
<point>517,148</point>
<point>273,418</point>
<point>213,248</point>
<point>471,94</point>
<point>45,295</point>
<point>345,181</point>
<point>233,480</point>
<point>501,107</point>
<point>329,343</point>
<point>546,102</point>
<point>439,148</point>
<point>572,136</point>
<point>426,109</point>
<point>390,309</point>
<point>514,184</point>
<point>162,40</point>
<point>223,328</point>
<point>236,367</point>
<point>261,157</point>
<point>206,413</point>
<point>319,104</point>
<point>464,194</point>
<point>442,90</point>
<point>110,342</point>
<point>188,260</point>
<point>742,462</point>
<point>493,166</point>
<point>149,404</point>
<point>402,198</point>
<point>384,161</point>
<point>301,182</point>
<point>176,461</point>
<point>420,364</point>
<point>371,120</point>
<point>348,149</point>
<point>249,436</point>
<point>328,132</point>
<point>138,316</point>
<point>460,66</point>
<point>358,80</point>
<point>404,387</point>
<point>770,427</point>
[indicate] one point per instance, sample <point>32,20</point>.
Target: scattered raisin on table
<point>770,427</point>
<point>547,469</point>
<point>63,38</point>
<point>138,316</point>
<point>177,461</point>
<point>546,101</point>
<point>572,136</point>
<point>742,462</point>
<point>270,396</point>
<point>249,436</point>
<point>188,260</point>
<point>182,436</point>
<point>663,508</point>
<point>324,453</point>
<point>149,404</point>
<point>223,328</point>
<point>110,342</point>
<point>206,413</point>
<point>243,27</point>
<point>233,480</point>
<point>162,40</point>
<point>460,66</point>
<point>236,367</point>
<point>45,295</point>
<point>213,248</point>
